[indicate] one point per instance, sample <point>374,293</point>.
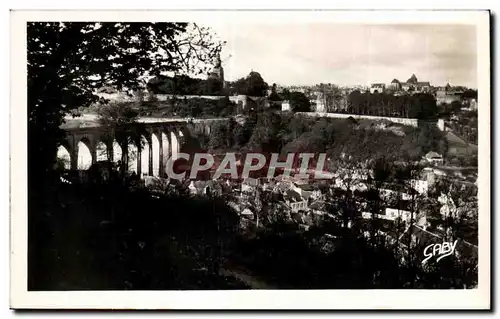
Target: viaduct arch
<point>141,147</point>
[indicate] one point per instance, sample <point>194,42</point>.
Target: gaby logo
<point>442,250</point>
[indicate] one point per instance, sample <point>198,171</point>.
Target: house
<point>394,213</point>
<point>318,207</point>
<point>317,195</point>
<point>434,158</point>
<point>413,85</point>
<point>250,185</point>
<point>377,88</point>
<point>247,213</point>
<point>277,105</point>
<point>422,87</point>
<point>213,188</point>
<point>281,187</point>
<point>406,86</point>
<point>155,183</point>
<point>234,206</point>
<point>247,218</point>
<point>420,185</point>
<point>196,187</point>
<point>285,106</point>
<point>395,85</point>
<point>396,207</point>
<point>257,102</point>
<point>392,191</point>
<point>470,104</point>
<point>208,188</point>
<point>269,186</point>
<point>390,214</point>
<point>353,179</point>
<point>446,95</point>
<point>247,102</point>
<point>304,189</point>
<point>432,175</point>
<point>320,103</point>
<point>294,200</point>
<point>297,217</point>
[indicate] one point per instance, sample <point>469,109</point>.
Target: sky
<point>307,54</point>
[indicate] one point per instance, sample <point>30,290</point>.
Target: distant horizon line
<point>270,83</point>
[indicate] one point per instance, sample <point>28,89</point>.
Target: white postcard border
<point>248,299</point>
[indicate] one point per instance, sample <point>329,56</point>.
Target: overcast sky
<point>303,54</point>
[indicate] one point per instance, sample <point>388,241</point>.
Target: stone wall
<point>124,97</point>
<point>399,120</point>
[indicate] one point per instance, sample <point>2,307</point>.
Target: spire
<point>412,79</point>
<point>219,61</point>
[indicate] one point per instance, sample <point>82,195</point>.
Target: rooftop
<point>293,196</point>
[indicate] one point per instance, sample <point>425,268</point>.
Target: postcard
<point>250,160</point>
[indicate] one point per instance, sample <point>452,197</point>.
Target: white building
<point>390,214</point>
<point>434,158</point>
<point>377,87</point>
<point>320,103</point>
<point>285,106</point>
<point>250,185</point>
<point>295,201</point>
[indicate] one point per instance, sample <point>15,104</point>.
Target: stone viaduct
<point>134,144</point>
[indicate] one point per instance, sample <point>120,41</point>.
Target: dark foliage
<point>253,84</point>
<point>420,105</point>
<point>68,62</point>
<point>105,236</point>
<point>299,102</point>
<point>271,131</point>
<point>185,85</point>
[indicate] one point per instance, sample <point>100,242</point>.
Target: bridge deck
<point>92,121</point>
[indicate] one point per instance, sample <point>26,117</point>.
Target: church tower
<point>218,72</point>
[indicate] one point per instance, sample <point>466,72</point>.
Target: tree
<point>253,84</point>
<point>218,136</point>
<point>242,132</point>
<point>469,94</point>
<point>456,106</point>
<point>256,86</point>
<point>116,114</point>
<point>285,93</point>
<point>264,136</point>
<point>423,106</point>
<point>67,62</point>
<point>299,102</point>
<point>177,85</point>
<point>274,96</point>
<point>456,209</point>
<point>355,101</point>
<point>331,95</point>
<point>213,86</point>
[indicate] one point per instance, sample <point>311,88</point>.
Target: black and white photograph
<point>195,153</point>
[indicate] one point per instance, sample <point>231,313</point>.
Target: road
<point>251,281</point>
